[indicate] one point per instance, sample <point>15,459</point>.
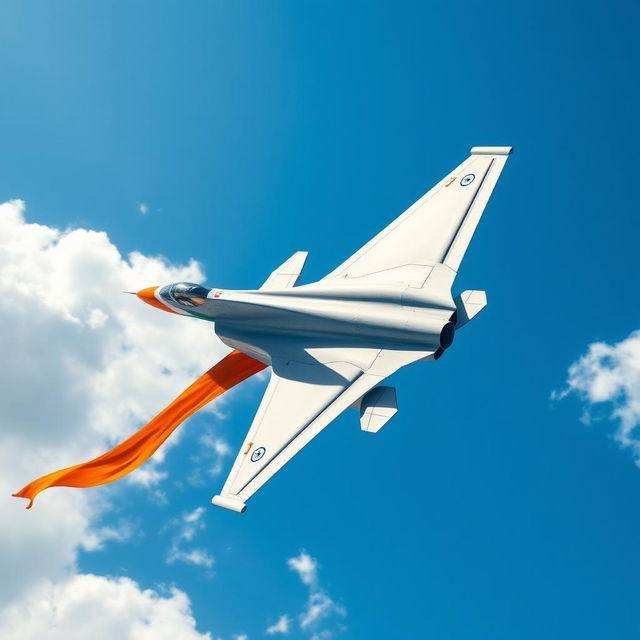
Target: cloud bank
<point>83,367</point>
<point>100,608</point>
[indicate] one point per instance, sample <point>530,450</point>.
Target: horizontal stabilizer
<point>377,407</point>
<point>468,305</point>
<point>286,275</point>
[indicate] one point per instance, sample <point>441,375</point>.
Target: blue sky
<point>485,509</point>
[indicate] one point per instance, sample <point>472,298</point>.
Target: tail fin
<point>286,275</point>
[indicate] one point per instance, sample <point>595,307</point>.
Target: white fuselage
<point>330,314</point>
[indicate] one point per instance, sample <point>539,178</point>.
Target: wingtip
<point>491,151</point>
<point>229,501</point>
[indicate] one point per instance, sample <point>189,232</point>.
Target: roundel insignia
<point>468,179</point>
<point>257,454</point>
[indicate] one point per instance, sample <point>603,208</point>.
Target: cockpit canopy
<point>186,294</point>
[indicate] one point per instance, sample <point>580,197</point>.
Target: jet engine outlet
<point>447,334</point>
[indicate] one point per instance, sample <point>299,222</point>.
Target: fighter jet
<point>331,343</point>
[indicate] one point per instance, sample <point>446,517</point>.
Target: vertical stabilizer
<point>286,275</point>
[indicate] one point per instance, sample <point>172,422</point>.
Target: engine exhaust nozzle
<point>447,335</point>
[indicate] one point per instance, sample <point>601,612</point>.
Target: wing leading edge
<point>300,401</point>
<point>438,227</point>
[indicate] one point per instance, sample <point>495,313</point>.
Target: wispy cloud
<point>143,208</point>
<point>146,477</point>
<point>609,375</point>
<point>196,557</point>
<point>305,566</point>
<point>283,625</point>
<point>121,531</point>
<point>209,461</point>
<point>320,608</point>
<point>189,525</point>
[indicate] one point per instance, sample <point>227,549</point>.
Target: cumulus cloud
<point>320,608</point>
<point>100,608</point>
<point>609,375</point>
<point>83,367</point>
<point>83,362</point>
<point>283,625</point>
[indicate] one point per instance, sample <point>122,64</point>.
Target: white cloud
<point>209,461</point>
<point>44,541</point>
<point>305,566</point>
<point>218,445</point>
<point>325,634</point>
<point>610,374</point>
<point>100,608</point>
<point>189,525</point>
<point>147,476</point>
<point>83,367</point>
<point>196,557</point>
<point>122,531</point>
<point>320,607</point>
<point>283,625</point>
<point>143,208</point>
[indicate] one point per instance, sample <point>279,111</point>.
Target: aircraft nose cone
<point>148,295</point>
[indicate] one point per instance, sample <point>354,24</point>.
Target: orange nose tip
<point>148,295</point>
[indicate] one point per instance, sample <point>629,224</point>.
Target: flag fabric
<point>131,453</point>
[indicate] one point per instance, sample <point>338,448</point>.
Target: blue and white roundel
<point>468,179</point>
<point>257,454</point>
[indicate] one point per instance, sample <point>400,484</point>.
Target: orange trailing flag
<point>131,453</point>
